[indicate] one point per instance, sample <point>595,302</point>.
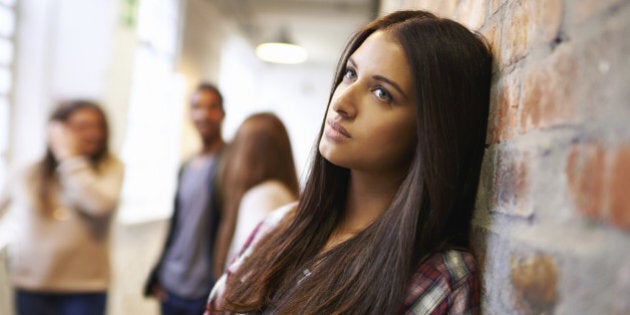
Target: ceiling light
<point>281,51</point>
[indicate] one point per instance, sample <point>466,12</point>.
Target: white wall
<point>298,95</point>
<point>63,51</point>
<point>213,49</point>
<point>32,80</point>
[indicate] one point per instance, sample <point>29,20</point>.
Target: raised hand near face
<point>64,144</point>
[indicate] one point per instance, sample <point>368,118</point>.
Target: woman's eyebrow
<point>379,78</point>
<point>351,63</point>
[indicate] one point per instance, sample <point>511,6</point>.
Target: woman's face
<point>371,120</point>
<point>88,128</point>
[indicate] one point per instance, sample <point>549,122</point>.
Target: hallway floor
<point>135,250</point>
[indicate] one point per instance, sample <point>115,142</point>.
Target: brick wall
<point>552,225</point>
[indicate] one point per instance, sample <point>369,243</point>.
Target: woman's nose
<point>345,100</point>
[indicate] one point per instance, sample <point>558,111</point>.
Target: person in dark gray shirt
<point>199,233</point>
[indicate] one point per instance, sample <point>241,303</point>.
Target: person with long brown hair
<point>382,225</point>
<point>64,205</point>
<point>258,175</point>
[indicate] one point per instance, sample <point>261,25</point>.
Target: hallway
<point>551,230</point>
<point>135,248</point>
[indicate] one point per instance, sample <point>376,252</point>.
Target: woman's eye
<point>382,94</point>
<point>350,74</point>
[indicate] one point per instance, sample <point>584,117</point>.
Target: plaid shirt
<point>446,283</point>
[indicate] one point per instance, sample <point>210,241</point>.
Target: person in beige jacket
<point>62,208</point>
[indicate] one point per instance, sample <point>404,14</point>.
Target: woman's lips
<point>336,131</point>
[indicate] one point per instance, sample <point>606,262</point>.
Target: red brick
<point>618,187</point>
<point>511,184</point>
<point>492,116</point>
<point>428,5</point>
<point>503,122</point>
<point>491,33</point>
<point>515,35</point>
<point>447,8</point>
<point>472,13</point>
<point>417,4</point>
<point>548,92</point>
<point>441,8</point>
<point>529,22</point>
<point>600,190</point>
<point>507,108</point>
<point>535,282</point>
<point>585,173</point>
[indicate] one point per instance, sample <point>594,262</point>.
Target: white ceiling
<point>321,26</point>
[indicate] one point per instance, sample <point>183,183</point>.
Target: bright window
<point>7,31</point>
<point>151,147</point>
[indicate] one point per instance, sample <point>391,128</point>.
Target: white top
<point>255,206</point>
<point>68,251</point>
<point>267,225</point>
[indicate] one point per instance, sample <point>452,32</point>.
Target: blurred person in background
<point>198,238</point>
<point>63,206</point>
<point>258,175</point>
<point>382,225</point>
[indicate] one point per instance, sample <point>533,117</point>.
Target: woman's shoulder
<point>269,186</point>
<point>270,223</point>
<point>269,194</point>
<point>110,164</point>
<point>274,218</point>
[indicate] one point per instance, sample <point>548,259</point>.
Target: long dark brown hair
<point>45,175</point>
<point>431,212</point>
<point>260,151</point>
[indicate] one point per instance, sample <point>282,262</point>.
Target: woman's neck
<point>368,196</point>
